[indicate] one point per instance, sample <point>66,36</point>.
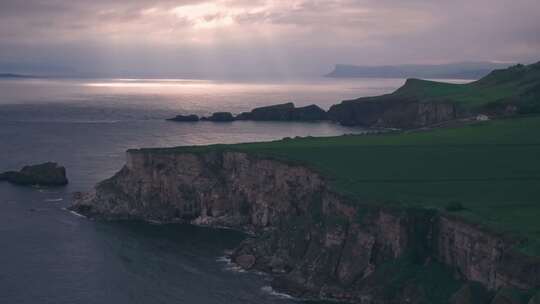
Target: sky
<point>258,38</point>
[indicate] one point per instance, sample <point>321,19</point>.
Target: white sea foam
<point>229,265</point>
<point>269,290</point>
<point>46,190</point>
<point>75,213</point>
<point>223,259</point>
<point>53,200</point>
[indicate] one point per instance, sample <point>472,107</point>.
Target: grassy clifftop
<point>518,84</point>
<point>491,169</point>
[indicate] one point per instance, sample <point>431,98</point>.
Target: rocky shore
<point>418,103</point>
<point>315,242</point>
<point>279,112</point>
<point>372,112</point>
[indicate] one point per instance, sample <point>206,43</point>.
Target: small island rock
<point>284,112</point>
<point>46,174</point>
<point>185,118</point>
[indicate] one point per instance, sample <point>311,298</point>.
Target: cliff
<point>393,112</point>
<point>314,241</point>
<point>420,103</point>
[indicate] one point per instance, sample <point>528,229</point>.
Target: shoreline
<point>146,163</point>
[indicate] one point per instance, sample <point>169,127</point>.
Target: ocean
<point>49,255</point>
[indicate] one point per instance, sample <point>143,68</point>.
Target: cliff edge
<point>316,243</point>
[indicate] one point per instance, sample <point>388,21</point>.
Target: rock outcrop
<point>185,118</point>
<point>284,112</point>
<point>315,242</point>
<point>220,117</point>
<point>46,174</point>
<point>392,112</point>
<point>281,112</point>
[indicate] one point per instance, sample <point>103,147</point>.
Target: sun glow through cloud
<point>220,37</point>
<point>205,15</point>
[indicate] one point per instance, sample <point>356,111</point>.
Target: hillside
<point>422,102</point>
<point>518,84</point>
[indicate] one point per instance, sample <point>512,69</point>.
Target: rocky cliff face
<point>315,242</point>
<point>482,256</point>
<point>392,112</point>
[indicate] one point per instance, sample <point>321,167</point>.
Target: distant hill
<point>10,75</point>
<point>466,70</point>
<point>421,102</point>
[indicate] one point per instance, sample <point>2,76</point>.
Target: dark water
<point>49,255</point>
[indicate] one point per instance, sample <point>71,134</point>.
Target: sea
<point>50,255</point>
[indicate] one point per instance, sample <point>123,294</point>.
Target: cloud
<point>306,36</point>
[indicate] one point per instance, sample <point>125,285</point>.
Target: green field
<point>491,168</point>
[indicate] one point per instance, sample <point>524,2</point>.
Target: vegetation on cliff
<point>490,169</point>
<point>518,84</point>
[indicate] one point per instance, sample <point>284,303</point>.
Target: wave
<point>229,265</point>
<point>74,213</point>
<point>47,191</point>
<point>269,290</point>
<point>54,200</point>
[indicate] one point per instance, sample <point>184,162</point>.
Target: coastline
<point>276,226</point>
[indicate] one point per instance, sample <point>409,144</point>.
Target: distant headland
<point>12,75</point>
<point>465,70</point>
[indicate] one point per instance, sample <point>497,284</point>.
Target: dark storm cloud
<point>255,36</point>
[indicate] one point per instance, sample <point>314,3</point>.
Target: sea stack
<point>46,174</point>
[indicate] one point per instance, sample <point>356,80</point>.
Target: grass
<point>509,85</point>
<point>491,169</point>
